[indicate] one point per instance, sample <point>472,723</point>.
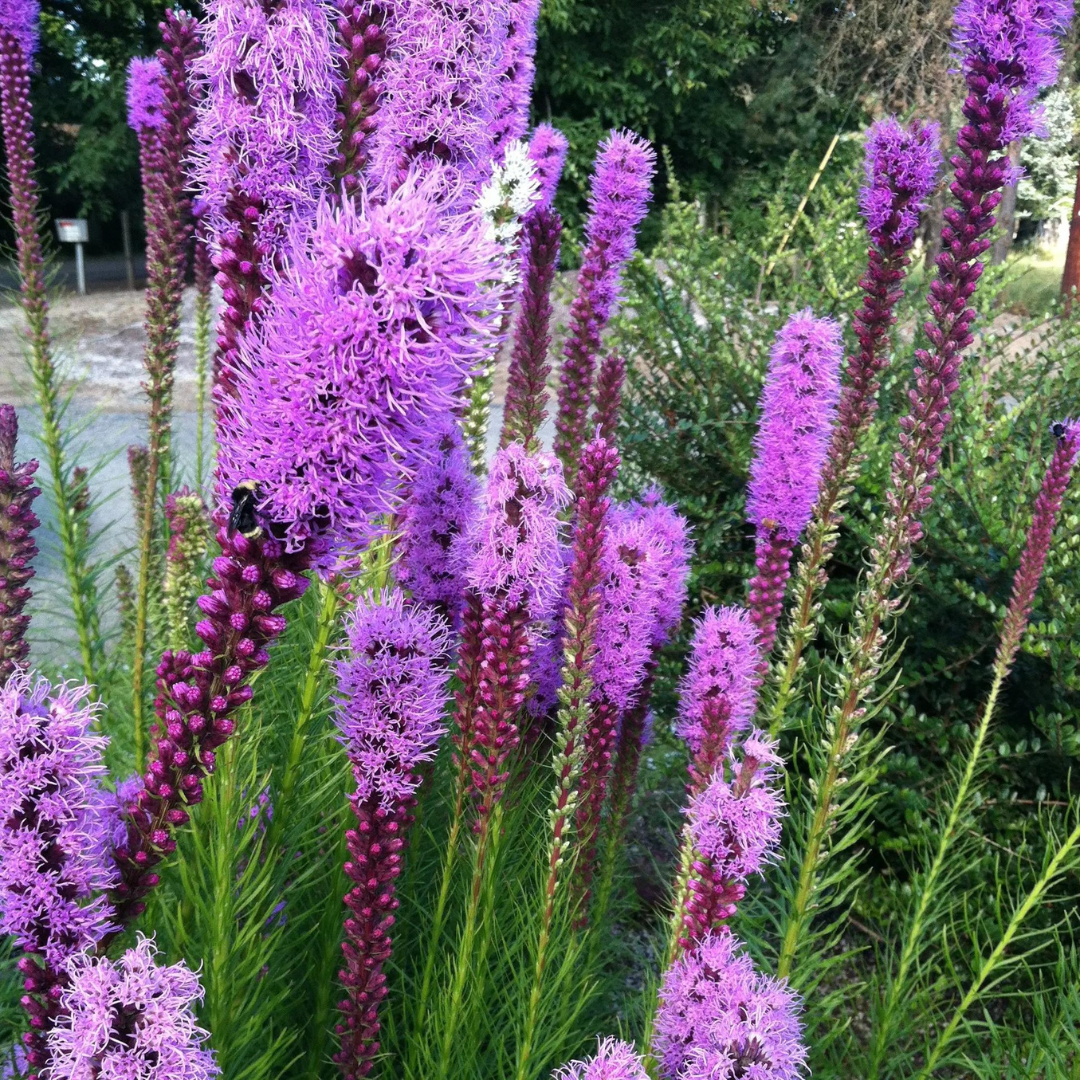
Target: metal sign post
<point>75,231</point>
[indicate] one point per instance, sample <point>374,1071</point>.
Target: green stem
<point>986,969</point>
<point>203,328</point>
<point>142,603</point>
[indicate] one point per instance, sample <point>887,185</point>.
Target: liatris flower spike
<point>19,19</point>
<point>131,1017</point>
<point>719,1019</point>
<point>391,688</point>
<point>717,697</point>
<point>547,148</point>
<point>619,197</point>
<point>515,83</point>
<point>189,539</point>
<point>17,547</point>
<point>55,861</point>
<point>145,95</point>
<point>380,314</point>
<point>798,406</point>
<point>613,1060</point>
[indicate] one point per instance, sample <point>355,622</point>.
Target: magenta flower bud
<point>719,1018</point>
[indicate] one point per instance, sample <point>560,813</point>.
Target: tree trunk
<point>1007,213</point>
<point>1070,279</point>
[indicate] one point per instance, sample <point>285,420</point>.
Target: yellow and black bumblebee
<point>1057,429</point>
<point>243,517</point>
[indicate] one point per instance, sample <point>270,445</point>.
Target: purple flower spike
<point>131,1017</point>
<point>145,94</point>
<point>902,165</point>
<point>547,149</point>
<point>1015,47</point>
<point>717,696</point>
<point>613,1060</point>
<point>391,692</point>
<point>381,312</point>
<point>440,507</point>
<point>20,19</point>
<point>266,125</point>
<point>441,93</point>
<point>516,554</point>
<point>17,547</point>
<point>55,857</point>
<point>621,185</point>
<point>798,404</point>
<point>719,1019</point>
<point>515,85</point>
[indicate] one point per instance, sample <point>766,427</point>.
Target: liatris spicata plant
<point>1008,51</point>
<point>189,538</point>
<point>618,199</point>
<point>719,1019</point>
<point>798,407</point>
<point>203,335</point>
<point>54,855</point>
<point>440,94</point>
<point>160,112</point>
<point>733,830</point>
<point>391,692</point>
<point>17,546</point>
<point>369,332</point>
<point>510,119</point>
<point>613,1060</point>
<point>609,383</point>
<point>362,36</point>
<point>18,43</point>
<point>901,166</point>
<point>440,507</point>
<point>547,148</point>
<point>1025,584</point>
<point>526,386</point>
<point>264,137</point>
<point>132,1017</point>
<point>599,467</point>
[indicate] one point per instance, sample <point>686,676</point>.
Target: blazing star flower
<point>547,148</point>
<point>735,824</point>
<point>440,507</point>
<point>1015,45</point>
<point>516,556</point>
<point>902,164</point>
<point>719,1019</point>
<point>798,403</point>
<point>509,195</point>
<point>20,19</point>
<point>145,94</point>
<point>267,123</point>
<point>54,854</point>
<point>515,84</point>
<point>391,693</point>
<point>718,689</point>
<point>380,314</point>
<point>441,93</point>
<point>613,1060</point>
<point>131,1017</point>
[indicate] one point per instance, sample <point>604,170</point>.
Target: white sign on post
<point>75,231</point>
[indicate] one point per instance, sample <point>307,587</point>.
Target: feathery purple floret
<point>54,858</point>
<point>132,1017</point>
<point>515,83</point>
<point>719,1019</point>
<point>516,558</point>
<point>735,822</point>
<point>719,678</point>
<point>145,94</point>
<point>370,331</point>
<point>266,125</point>
<point>613,1060</point>
<point>392,689</point>
<point>1018,41</point>
<point>20,19</point>
<point>547,149</point>
<point>901,165</point>
<point>440,506</point>
<point>440,93</point>
<point>798,406</point>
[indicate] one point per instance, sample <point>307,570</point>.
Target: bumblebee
<point>242,517</point>
<point>1057,429</point>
